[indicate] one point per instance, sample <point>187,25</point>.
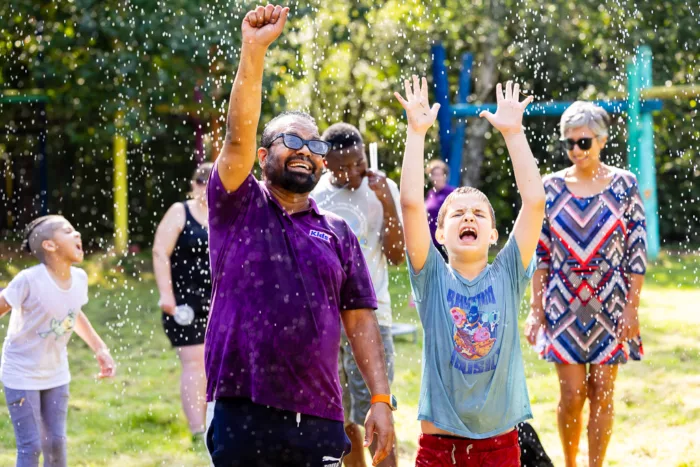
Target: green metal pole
<point>647,166</point>
<point>633,114</point>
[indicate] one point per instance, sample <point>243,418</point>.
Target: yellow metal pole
<point>121,209</point>
<point>678,91</point>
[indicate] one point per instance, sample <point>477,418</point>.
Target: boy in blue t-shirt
<point>473,390</point>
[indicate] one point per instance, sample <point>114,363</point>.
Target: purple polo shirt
<point>279,284</point>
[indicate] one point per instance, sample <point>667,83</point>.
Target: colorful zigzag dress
<point>590,246</point>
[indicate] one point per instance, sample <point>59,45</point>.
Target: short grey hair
<point>588,114</point>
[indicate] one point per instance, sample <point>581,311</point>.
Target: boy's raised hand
<point>264,24</point>
<point>508,118</point>
<point>418,111</point>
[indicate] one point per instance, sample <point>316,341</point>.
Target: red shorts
<point>449,451</point>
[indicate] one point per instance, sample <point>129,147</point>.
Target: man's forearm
<point>527,173</point>
<point>392,240</point>
<point>246,95</point>
<point>362,330</point>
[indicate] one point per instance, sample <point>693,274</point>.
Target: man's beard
<point>278,174</point>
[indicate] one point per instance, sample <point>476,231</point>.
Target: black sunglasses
<point>294,142</point>
<point>583,143</point>
<point>200,181</point>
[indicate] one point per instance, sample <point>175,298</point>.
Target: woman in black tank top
<point>181,267</point>
<point>189,270</point>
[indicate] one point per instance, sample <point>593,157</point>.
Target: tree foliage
<point>339,60</point>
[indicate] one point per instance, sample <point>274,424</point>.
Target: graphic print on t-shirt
<point>476,321</point>
<point>356,219</point>
<point>60,328</point>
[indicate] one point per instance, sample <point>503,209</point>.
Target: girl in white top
<point>46,302</point>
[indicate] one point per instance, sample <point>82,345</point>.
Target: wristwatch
<point>388,399</point>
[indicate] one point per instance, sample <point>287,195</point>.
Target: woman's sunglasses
<point>583,143</point>
<point>294,142</point>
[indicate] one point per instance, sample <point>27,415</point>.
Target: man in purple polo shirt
<point>284,275</point>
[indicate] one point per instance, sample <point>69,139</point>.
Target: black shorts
<point>246,434</point>
<point>182,336</point>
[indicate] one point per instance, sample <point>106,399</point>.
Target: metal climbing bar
<point>553,109</point>
<point>638,105</point>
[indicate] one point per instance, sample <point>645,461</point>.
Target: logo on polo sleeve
<point>322,235</point>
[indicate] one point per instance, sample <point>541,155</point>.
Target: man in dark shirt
<point>284,275</point>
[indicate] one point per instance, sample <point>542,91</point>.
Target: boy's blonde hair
<point>39,230</point>
<point>464,190</point>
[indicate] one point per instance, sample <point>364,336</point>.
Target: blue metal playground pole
<point>465,88</point>
<point>442,98</point>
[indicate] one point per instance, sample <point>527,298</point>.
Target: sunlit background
<point>107,107</point>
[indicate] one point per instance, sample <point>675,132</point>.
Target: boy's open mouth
<point>468,233</point>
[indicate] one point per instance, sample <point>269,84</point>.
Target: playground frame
<point>641,101</point>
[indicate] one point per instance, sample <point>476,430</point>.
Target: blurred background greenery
<point>339,60</point>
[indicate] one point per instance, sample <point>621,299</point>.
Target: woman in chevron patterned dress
<point>591,265</point>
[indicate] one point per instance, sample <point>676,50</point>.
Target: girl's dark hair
<point>31,227</point>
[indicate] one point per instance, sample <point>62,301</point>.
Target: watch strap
<point>388,399</point>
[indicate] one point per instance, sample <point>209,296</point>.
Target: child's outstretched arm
<point>84,329</point>
<point>420,118</point>
<point>508,120</point>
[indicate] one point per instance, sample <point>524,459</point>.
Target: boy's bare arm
<point>420,118</point>
<point>84,329</point>
<point>260,28</point>
<point>508,120</point>
<point>528,225</point>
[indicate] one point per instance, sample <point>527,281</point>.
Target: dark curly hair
<point>342,136</point>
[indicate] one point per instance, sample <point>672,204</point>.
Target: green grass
<point>657,400</point>
<point>136,419</point>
